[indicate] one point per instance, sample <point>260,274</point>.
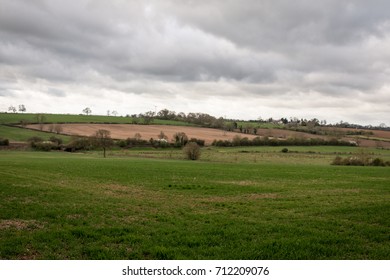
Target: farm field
<point>19,134</point>
<point>234,203</point>
<point>123,131</point>
<point>123,127</point>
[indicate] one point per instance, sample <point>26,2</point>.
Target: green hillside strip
<point>9,118</point>
<point>68,206</point>
<point>59,118</point>
<point>19,134</point>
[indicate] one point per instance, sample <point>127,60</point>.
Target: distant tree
<point>137,137</point>
<point>103,139</point>
<point>162,136</point>
<point>180,139</point>
<point>23,123</point>
<point>115,113</point>
<point>148,117</point>
<point>181,116</point>
<point>22,108</point>
<point>228,126</point>
<point>41,118</point>
<point>87,111</point>
<point>192,151</point>
<point>163,114</point>
<point>57,128</point>
<point>12,109</point>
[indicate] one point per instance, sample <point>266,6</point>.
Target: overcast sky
<point>243,59</point>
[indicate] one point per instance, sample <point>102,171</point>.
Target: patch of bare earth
<point>123,131</point>
<point>20,224</point>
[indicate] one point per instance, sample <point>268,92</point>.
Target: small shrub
<point>45,146</point>
<point>80,143</point>
<point>378,162</point>
<point>4,142</point>
<point>192,151</point>
<point>359,161</point>
<point>284,150</point>
<point>337,161</point>
<point>34,139</point>
<point>121,143</point>
<point>56,140</point>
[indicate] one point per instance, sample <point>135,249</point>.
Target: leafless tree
<point>103,139</point>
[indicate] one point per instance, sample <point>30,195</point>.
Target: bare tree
<point>12,109</point>
<point>57,128</point>
<point>41,118</point>
<point>162,136</point>
<point>137,137</point>
<point>103,139</point>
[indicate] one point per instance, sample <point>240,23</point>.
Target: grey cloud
<point>265,49</point>
<point>56,92</point>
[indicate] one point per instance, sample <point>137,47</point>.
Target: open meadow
<point>233,203</point>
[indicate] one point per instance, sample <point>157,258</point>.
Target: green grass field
<point>151,204</point>
<point>22,135</point>
<point>10,118</point>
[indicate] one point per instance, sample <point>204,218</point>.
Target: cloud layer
<point>240,59</point>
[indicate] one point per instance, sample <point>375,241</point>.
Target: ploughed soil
<point>123,131</point>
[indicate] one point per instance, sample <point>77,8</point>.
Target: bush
<point>45,146</point>
<point>359,161</point>
<point>378,162</point>
<point>56,140</point>
<point>4,142</point>
<point>200,142</point>
<point>81,143</point>
<point>284,150</point>
<point>34,139</point>
<point>192,151</point>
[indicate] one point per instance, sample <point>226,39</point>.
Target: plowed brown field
<point>123,131</point>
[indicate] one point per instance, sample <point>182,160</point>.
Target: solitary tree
<point>12,109</point>
<point>41,118</point>
<point>87,111</point>
<point>103,139</point>
<point>22,108</point>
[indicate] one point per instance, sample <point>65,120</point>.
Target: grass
<point>81,206</point>
<point>22,135</point>
<point>10,118</point>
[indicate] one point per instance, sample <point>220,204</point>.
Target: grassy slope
<point>67,206</point>
<point>9,118</point>
<point>21,134</point>
<point>59,118</point>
